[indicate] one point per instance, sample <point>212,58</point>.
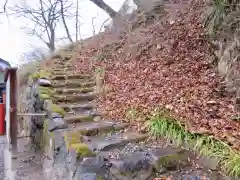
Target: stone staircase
<point>98,149</point>
<point>75,94</point>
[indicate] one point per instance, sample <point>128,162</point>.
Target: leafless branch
<point>93,26</point>
<point>103,25</point>
<point>44,17</point>
<point>4,7</point>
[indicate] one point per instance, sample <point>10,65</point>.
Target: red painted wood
<point>2,117</point>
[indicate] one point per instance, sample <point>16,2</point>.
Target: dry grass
<point>25,71</point>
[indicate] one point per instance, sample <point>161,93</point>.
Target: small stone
<point>44,82</point>
<point>56,124</point>
<point>56,115</point>
<point>211,102</point>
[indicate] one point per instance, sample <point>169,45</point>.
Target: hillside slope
<point>168,63</point>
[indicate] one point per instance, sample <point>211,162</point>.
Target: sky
<point>15,41</point>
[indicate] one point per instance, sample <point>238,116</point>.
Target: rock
<point>58,140</point>
<point>169,158</point>
<point>44,82</point>
<point>211,102</point>
<point>92,165</point>
<point>56,115</point>
<point>72,160</point>
<point>209,163</point>
<point>56,124</point>
<point>88,176</point>
<point>137,167</point>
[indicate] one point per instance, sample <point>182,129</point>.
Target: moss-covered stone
<point>45,96</point>
<point>72,138</point>
<point>58,109</point>
<point>46,90</point>
<point>82,149</point>
<point>41,74</point>
<point>45,136</point>
<point>99,178</point>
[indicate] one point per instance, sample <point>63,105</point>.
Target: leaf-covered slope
<point>169,64</point>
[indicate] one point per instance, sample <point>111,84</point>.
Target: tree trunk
<point>101,4</point>
<point>76,25</point>
<point>64,23</point>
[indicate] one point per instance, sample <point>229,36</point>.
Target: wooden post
<point>13,113</point>
<point>48,107</point>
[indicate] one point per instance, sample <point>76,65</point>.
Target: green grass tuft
<point>161,124</point>
<point>41,74</point>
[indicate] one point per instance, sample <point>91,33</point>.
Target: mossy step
<point>85,105</point>
<point>113,140</point>
<point>74,141</point>
<point>75,98</point>
<point>78,118</point>
<point>74,90</point>
<point>70,76</point>
<point>97,127</point>
<point>74,84</point>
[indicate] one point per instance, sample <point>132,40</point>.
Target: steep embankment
<point>168,64</point>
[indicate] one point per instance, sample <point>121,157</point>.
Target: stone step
<point>74,90</point>
<point>58,70</point>
<point>68,57</point>
<point>141,165</point>
<point>70,119</point>
<point>59,62</point>
<point>84,80</point>
<point>70,76</point>
<point>113,140</point>
<point>75,97</point>
<point>62,66</point>
<point>73,84</point>
<point>96,127</point>
<point>63,71</point>
<point>85,106</point>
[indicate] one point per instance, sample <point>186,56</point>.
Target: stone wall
<point>31,103</point>
<point>229,67</point>
<point>34,100</point>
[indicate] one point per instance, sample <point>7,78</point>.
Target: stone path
<point>2,146</point>
<point>26,164</point>
<point>112,150</point>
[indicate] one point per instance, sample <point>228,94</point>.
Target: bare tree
<point>36,54</point>
<point>93,26</point>
<point>101,4</point>
<point>44,16</point>
<point>4,7</point>
<point>63,5</point>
